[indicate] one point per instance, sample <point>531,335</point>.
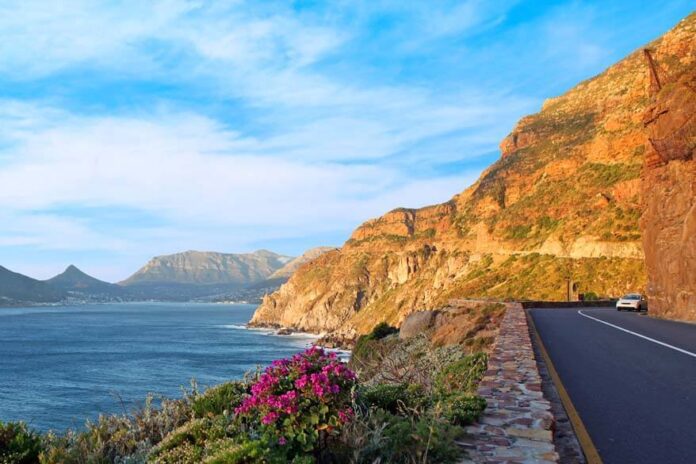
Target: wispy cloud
<point>230,125</point>
<point>193,174</point>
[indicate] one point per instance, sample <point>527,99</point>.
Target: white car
<point>632,302</point>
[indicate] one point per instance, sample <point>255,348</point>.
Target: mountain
<point>206,268</point>
<point>199,274</point>
<point>75,281</point>
<point>559,209</point>
<point>16,289</point>
<point>286,271</point>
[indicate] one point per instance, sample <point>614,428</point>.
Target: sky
<point>130,129</point>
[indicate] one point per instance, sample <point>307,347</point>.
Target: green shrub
<point>382,330</point>
<point>380,436</point>
<point>18,444</point>
<point>591,296</point>
<point>364,350</point>
<point>396,398</point>
<point>217,400</point>
<point>230,452</point>
<point>463,409</point>
<point>186,445</point>
<point>118,438</point>
<point>518,231</point>
<point>462,376</point>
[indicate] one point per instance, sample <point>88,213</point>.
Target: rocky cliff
<point>669,186</point>
<point>561,204</point>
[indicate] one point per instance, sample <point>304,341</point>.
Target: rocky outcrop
<point>563,202</point>
<point>460,322</point>
<point>669,191</point>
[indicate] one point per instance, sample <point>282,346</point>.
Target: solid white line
<point>639,335</point>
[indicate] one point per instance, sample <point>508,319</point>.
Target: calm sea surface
<point>62,365</point>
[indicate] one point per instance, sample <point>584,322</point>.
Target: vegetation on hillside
<point>310,408</point>
<point>522,276</point>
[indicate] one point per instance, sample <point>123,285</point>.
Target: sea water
<point>62,365</point>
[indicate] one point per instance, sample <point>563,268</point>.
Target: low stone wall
<point>569,304</point>
<point>517,424</point>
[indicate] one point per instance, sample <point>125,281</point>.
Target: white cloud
<point>321,153</point>
<point>191,172</point>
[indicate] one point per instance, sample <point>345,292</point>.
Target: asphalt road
<point>637,398</point>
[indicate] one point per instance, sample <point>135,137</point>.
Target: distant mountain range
<point>17,288</point>
<point>74,281</point>
<point>206,268</point>
<point>191,275</point>
<point>291,266</point>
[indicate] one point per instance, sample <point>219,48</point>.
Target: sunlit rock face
<point>669,192</point>
<point>563,202</point>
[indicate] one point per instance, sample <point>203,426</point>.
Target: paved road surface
<point>637,398</point>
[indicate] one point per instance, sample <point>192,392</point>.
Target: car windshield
<point>631,296</point>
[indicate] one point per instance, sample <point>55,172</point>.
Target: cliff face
<point>563,202</point>
<point>669,190</point>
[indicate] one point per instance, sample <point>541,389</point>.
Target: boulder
<point>417,323</point>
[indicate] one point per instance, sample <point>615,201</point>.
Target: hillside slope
<point>17,288</point>
<point>208,268</point>
<point>74,280</point>
<point>289,269</point>
<point>561,203</point>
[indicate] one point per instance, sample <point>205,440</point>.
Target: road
<point>636,397</point>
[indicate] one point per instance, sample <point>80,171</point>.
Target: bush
<point>219,399</point>
<point>377,436</point>
<point>382,330</point>
<point>462,376</point>
<point>18,444</point>
<point>462,409</point>
<point>297,404</point>
<point>187,444</point>
<point>230,452</point>
<point>395,398</point>
<point>118,438</point>
<point>591,296</point>
<point>364,349</point>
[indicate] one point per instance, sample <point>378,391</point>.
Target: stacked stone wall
<point>517,425</point>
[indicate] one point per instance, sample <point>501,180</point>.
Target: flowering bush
<point>297,403</point>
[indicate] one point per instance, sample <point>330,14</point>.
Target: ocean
<point>60,366</point>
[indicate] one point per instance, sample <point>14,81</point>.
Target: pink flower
<point>345,415</point>
<point>282,441</point>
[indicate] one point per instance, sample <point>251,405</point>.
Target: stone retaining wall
<point>517,424</point>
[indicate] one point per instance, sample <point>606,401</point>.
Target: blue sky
<point>131,129</point>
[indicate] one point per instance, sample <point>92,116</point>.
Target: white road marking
<point>638,335</point>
